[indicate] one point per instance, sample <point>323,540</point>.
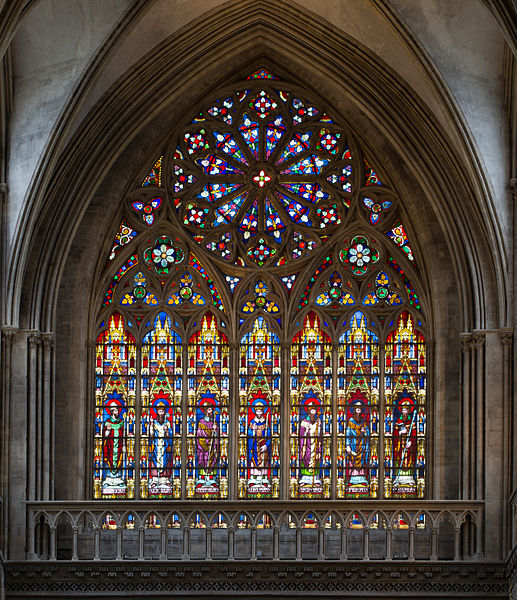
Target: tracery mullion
<point>261,216</point>
<point>382,413</point>
<point>91,408</point>
<point>285,424</point>
<point>234,162</point>
<point>184,411</point>
<point>138,418</point>
<point>242,209</point>
<point>334,455</point>
<point>233,441</point>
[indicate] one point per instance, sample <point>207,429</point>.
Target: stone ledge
<point>374,579</point>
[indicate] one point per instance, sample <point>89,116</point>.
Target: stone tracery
<point>265,182</point>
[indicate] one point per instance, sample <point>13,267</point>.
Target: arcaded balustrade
<point>419,530</point>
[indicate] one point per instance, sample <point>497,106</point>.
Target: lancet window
<point>261,330</point>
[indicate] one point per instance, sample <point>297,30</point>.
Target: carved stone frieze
<point>218,578</point>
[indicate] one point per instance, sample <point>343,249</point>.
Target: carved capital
<point>8,332</point>
<point>478,338</point>
<point>48,340</point>
<point>34,338</point>
<point>506,336</point>
<point>465,341</point>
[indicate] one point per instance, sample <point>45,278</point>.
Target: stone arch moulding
<point>359,85</point>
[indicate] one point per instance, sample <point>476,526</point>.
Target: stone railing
<point>267,530</point>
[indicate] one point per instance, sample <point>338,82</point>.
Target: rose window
<point>262,177</point>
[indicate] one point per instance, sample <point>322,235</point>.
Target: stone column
<point>47,417</point>
<point>233,426</point>
<point>163,542</point>
<point>467,456</point>
<point>33,414</point>
<point>5,390</point>
<point>389,540</point>
<point>285,424</point>
<point>478,338</point>
<point>509,432</point>
<point>19,428</point>
<point>495,430</point>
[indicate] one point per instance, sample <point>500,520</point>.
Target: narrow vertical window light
<point>161,418</point>
<point>114,468</point>
<point>358,411</point>
<point>405,412</point>
<point>208,419</point>
<point>311,412</point>
<point>259,415</point>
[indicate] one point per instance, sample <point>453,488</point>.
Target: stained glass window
<point>259,413</point>
<point>115,378</point>
<point>310,420</point>
<point>270,159</point>
<point>405,413</point>
<point>208,418</point>
<point>261,315</point>
<point>161,414</point>
<point>358,411</point>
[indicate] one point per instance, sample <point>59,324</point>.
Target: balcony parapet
<point>256,530</point>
